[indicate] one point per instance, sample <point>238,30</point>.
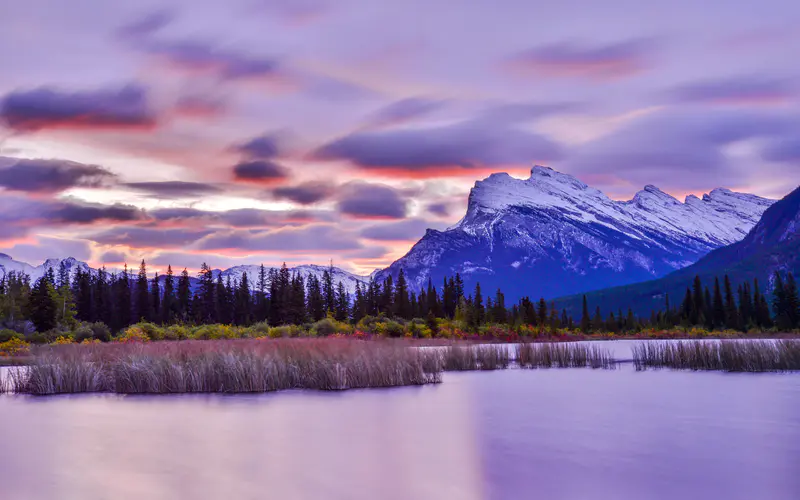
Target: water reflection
<point>554,434</point>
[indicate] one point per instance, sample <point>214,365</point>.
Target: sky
<point>310,131</point>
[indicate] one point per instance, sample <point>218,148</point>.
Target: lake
<point>514,434</point>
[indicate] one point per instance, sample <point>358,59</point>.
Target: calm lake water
<point>515,434</point>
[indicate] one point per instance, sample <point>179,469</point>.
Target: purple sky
<point>252,131</point>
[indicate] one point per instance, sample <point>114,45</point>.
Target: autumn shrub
<point>329,326</point>
<point>6,335</point>
<point>132,334</point>
<point>285,331</point>
<point>177,332</point>
<point>216,332</point>
<point>64,340</point>
<point>258,330</point>
<point>14,346</point>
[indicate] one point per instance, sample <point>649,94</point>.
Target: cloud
<point>405,230</point>
<point>296,11</point>
<point>145,237</point>
<point>242,217</point>
<point>147,24</point>
<point>439,209</point>
<point>76,212</point>
<point>264,147</point>
<point>47,108</point>
<point>461,146</point>
<point>262,171</point>
<point>50,176</point>
<point>601,62</point>
<point>521,112</point>
<point>784,150</point>
<point>406,110</point>
<point>306,193</point>
<point>313,238</point>
<point>371,201</point>
<point>678,148</point>
<point>48,247</point>
<point>735,91</point>
<point>174,189</point>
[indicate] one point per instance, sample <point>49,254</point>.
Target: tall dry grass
<point>724,355</point>
<point>563,355</point>
<point>231,366</point>
<point>475,357</point>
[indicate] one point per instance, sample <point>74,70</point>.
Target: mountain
<point>7,264</point>
<point>349,280</point>
<point>552,235</point>
<point>772,244</point>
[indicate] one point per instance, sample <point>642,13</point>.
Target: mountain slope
<point>773,244</point>
<point>553,235</point>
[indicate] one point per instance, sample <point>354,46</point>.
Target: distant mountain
<point>773,244</point>
<point>349,280</point>
<point>7,264</point>
<point>552,235</point>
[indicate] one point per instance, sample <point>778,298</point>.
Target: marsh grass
<point>564,355</point>
<point>475,357</point>
<point>231,366</point>
<point>723,355</point>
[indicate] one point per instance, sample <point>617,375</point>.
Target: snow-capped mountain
<point>7,264</point>
<point>552,235</point>
<point>349,280</point>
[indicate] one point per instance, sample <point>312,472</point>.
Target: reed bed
<point>724,355</point>
<point>564,355</point>
<point>475,357</point>
<point>234,366</point>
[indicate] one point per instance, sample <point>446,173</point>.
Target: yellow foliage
<point>133,334</point>
<point>63,340</point>
<point>14,347</point>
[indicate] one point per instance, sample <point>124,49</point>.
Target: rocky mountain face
<point>773,244</point>
<point>552,235</point>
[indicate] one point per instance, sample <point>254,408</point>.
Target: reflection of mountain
<point>772,244</point>
<point>553,235</point>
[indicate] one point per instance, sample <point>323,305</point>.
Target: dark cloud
<point>74,212</point>
<point>785,150</point>
<point>50,176</point>
<point>602,62</point>
<point>371,201</point>
<point>260,171</point>
<point>306,193</point>
<point>174,189</point>
<point>405,230</point>
<point>262,148</point>
<point>440,209</point>
<point>113,256</point>
<point>46,108</point>
<point>406,110</point>
<point>145,237</point>
<point>465,145</point>
<point>315,238</point>
<point>242,217</point>
<point>735,91</point>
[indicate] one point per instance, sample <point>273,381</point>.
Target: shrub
<point>418,328</point>
<point>216,332</point>
<point>258,330</point>
<point>329,326</point>
<point>133,334</point>
<point>390,328</point>
<point>63,340</point>
<point>83,332</point>
<point>284,331</point>
<point>6,335</point>
<point>100,331</point>
<point>14,347</point>
<point>177,332</point>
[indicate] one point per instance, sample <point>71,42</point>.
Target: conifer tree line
<point>280,297</point>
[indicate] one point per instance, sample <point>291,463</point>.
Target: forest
<point>103,304</point>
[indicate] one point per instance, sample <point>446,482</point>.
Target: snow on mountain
<point>552,235</point>
<point>7,264</point>
<point>349,280</point>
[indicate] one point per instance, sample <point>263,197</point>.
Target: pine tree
<point>122,300</point>
<point>184,311</point>
<point>718,307</point>
<point>597,321</point>
<point>402,307</point>
<point>697,315</point>
<point>103,301</point>
<point>297,301</point>
<point>316,301</point>
<point>261,312</point>
<point>42,306</point>
<point>155,298</point>
<point>207,307</point>
<point>328,291</point>
<point>478,310</point>
<point>585,320</point>
<point>143,309</point>
<point>500,314</point>
<point>168,301</point>
<point>242,307</point>
<point>342,303</point>
<point>791,302</point>
<point>731,311</point>
<point>541,312</point>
